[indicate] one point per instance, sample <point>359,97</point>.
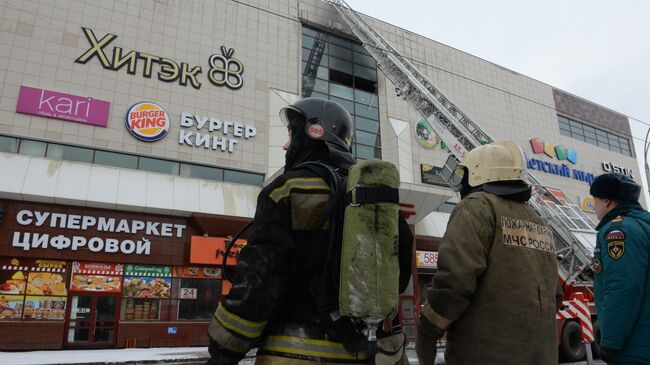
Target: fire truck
<point>574,233</point>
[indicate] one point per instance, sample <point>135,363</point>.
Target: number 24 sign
<point>188,293</point>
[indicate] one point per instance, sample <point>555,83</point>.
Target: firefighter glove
<point>221,356</point>
<point>609,355</point>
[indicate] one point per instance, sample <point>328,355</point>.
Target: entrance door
<point>92,320</point>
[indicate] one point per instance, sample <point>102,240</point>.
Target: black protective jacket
<point>277,274</point>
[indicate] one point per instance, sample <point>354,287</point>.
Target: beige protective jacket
<point>496,284</point>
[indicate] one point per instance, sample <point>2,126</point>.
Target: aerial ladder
<point>574,232</point>
<point>313,62</point>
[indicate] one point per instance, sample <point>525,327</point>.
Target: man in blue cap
<point>621,267</point>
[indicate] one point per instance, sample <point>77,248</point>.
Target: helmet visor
<point>292,116</point>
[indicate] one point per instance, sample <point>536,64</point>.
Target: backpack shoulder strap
<point>333,179</point>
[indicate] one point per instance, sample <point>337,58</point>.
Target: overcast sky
<point>596,49</point>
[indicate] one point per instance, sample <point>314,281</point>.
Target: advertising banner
<point>210,250</point>
<point>52,104</point>
<point>147,287</point>
<point>11,306</point>
<point>195,272</point>
<point>148,270</point>
<point>40,307</point>
<point>427,259</point>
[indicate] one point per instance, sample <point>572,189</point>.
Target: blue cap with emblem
<point>615,186</point>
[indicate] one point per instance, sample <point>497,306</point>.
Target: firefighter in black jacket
<point>272,304</point>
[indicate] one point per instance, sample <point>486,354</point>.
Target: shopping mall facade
<point>135,136</point>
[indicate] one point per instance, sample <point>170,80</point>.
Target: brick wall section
<point>155,334</point>
<point>26,335</point>
<point>584,111</point>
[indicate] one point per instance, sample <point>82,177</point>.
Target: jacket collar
<point>621,209</point>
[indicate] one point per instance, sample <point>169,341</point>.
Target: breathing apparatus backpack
<point>359,287</point>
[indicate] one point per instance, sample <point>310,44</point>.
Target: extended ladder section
<point>311,69</point>
<point>574,232</point>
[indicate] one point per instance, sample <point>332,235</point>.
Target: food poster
<point>195,272</point>
<point>44,307</point>
<point>14,275</point>
<point>96,277</point>
<point>11,306</point>
<point>46,283</point>
<point>96,283</point>
<point>12,282</point>
<point>147,287</point>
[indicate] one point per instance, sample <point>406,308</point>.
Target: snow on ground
<point>99,356</point>
<point>174,354</point>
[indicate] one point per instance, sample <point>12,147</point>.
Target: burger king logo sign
<point>147,121</point>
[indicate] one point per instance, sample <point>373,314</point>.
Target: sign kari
<point>53,104</point>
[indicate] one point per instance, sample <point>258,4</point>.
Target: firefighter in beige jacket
<point>495,291</point>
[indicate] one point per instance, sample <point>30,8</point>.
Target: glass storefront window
<point>69,153</point>
<point>136,309</point>
<point>116,159</point>
<point>32,148</point>
<point>8,144</point>
<point>156,165</point>
<point>125,160</point>
<point>198,298</point>
<point>242,177</point>
<point>201,172</point>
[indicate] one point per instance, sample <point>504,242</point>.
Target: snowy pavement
<point>121,356</point>
<point>174,355</point>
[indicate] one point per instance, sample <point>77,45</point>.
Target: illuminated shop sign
<point>561,153</point>
<point>427,259</point>
<point>610,167</point>
<point>224,69</point>
<point>587,204</point>
<point>147,121</point>
<point>561,170</point>
<point>53,104</point>
<point>83,232</point>
<point>213,133</point>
